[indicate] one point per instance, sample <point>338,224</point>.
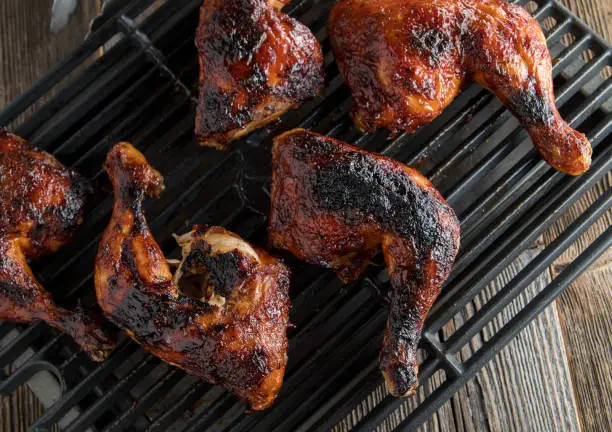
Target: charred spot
<point>257,79</point>
<point>308,145</point>
<point>80,186</point>
<point>225,272</point>
<point>358,182</point>
<point>112,283</point>
<point>234,33</point>
<point>215,108</point>
<point>17,295</point>
<point>222,272</point>
<point>530,107</point>
<point>432,44</point>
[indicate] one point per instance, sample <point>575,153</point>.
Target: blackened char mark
<point>529,107</point>
<point>358,182</point>
<point>238,34</point>
<point>432,44</point>
<point>225,271</point>
<point>149,316</point>
<point>18,295</point>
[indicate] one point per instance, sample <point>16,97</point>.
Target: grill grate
<point>141,89</point>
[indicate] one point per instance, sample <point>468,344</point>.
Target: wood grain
<point>584,308</point>
<point>526,387</point>
<point>584,312</point>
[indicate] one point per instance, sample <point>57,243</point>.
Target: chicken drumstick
<point>410,59</point>
<point>230,330</point>
<point>337,206</point>
<point>42,206</point>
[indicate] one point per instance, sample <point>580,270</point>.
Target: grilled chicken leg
<point>411,57</point>
<point>42,206</point>
<point>231,327</point>
<point>337,206</point>
<point>255,64</point>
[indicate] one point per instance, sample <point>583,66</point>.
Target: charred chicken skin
<point>255,64</point>
<point>337,206</point>
<point>42,206</point>
<point>223,316</point>
<point>411,57</point>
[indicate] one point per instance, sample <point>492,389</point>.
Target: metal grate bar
<point>96,71</point>
<point>510,330</point>
<point>528,274</point>
<point>12,350</point>
<point>57,73</point>
<point>194,394</point>
<point>506,249</point>
<point>209,417</point>
<point>146,400</point>
<point>120,388</point>
<point>492,201</point>
<point>479,282</point>
<point>71,398</point>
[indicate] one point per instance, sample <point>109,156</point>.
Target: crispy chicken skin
<point>42,206</point>
<point>255,64</point>
<point>337,206</point>
<point>411,58</point>
<point>231,328</point>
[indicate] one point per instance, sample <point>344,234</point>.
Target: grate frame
<point>504,194</point>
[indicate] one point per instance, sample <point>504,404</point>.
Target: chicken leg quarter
<point>411,57</point>
<point>337,206</point>
<point>255,64</point>
<point>42,206</point>
<point>231,327</point>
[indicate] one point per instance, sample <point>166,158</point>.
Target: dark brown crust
<point>42,205</point>
<point>413,56</point>
<point>336,205</point>
<point>255,63</point>
<point>240,345</point>
<point>42,199</point>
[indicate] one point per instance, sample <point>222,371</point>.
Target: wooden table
<point>556,375</point>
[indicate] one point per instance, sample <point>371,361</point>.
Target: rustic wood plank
<point>596,13</point>
<point>584,311</point>
<point>28,49</point>
<point>584,306</point>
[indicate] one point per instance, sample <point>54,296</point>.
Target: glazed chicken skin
<point>231,327</point>
<point>255,64</point>
<point>412,57</point>
<point>42,206</point>
<point>337,206</point>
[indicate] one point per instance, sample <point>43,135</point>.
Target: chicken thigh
<point>42,206</point>
<point>411,57</point>
<point>223,316</point>
<point>337,206</point>
<point>255,64</point>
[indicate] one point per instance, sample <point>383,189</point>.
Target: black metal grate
<point>141,89</point>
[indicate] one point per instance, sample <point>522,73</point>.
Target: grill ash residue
<point>357,181</point>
